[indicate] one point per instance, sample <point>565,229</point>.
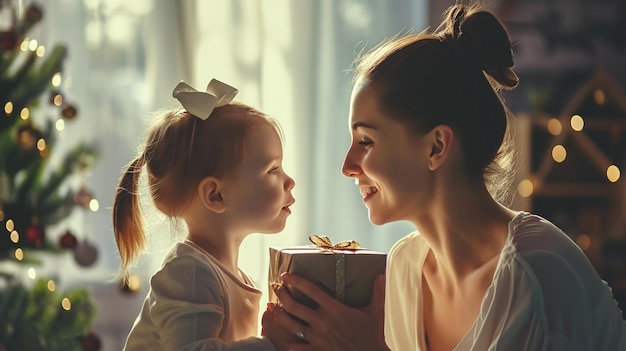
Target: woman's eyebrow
<point>357,125</point>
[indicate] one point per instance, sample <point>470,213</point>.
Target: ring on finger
<point>300,333</point>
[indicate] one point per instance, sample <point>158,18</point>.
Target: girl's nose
<point>290,183</point>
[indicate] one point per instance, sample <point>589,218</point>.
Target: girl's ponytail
<point>127,225</point>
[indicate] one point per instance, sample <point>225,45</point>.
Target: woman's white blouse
<point>545,295</point>
<point>196,304</point>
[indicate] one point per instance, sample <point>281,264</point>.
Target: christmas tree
<point>36,194</point>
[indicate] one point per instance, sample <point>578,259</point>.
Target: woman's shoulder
<point>554,261</point>
<point>410,245</point>
<point>531,233</point>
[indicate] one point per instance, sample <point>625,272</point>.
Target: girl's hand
<point>333,326</point>
<point>275,332</point>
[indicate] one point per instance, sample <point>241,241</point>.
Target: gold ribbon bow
<point>324,242</point>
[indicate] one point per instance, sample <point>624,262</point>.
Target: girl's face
<point>388,163</point>
<point>258,194</point>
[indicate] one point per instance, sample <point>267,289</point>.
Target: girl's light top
<point>545,295</point>
<point>196,304</point>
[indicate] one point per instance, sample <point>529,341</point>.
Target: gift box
<point>344,270</point>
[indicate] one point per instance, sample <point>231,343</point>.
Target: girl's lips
<point>286,208</point>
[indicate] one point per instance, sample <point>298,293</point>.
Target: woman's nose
<point>350,166</point>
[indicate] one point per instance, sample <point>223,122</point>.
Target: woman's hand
<point>333,326</point>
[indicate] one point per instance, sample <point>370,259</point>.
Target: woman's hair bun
<point>482,41</point>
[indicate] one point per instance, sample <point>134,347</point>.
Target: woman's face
<point>389,163</point>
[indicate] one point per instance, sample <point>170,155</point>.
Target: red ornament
<point>85,254</point>
<point>91,342</point>
<point>69,112</point>
<point>35,234</point>
<point>28,136</point>
<point>8,40</point>
<point>33,14</point>
<point>83,197</point>
<point>68,240</point>
<point>9,35</point>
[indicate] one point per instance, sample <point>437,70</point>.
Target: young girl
<point>215,164</point>
<point>429,133</point>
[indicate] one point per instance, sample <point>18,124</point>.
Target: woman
<point>431,145</point>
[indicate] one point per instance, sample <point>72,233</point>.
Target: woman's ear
<point>442,138</point>
<point>209,191</point>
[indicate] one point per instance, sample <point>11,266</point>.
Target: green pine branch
<point>35,319</point>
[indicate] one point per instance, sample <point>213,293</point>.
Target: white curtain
<point>290,58</point>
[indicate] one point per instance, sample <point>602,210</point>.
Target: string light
<point>32,45</point>
<point>60,125</point>
<point>24,44</point>
<point>583,241</point>
<point>25,113</point>
<point>19,254</point>
<point>15,236</point>
<point>41,51</point>
<point>32,274</point>
<point>559,154</point>
<point>41,144</point>
<point>51,285</point>
<point>94,205</point>
<point>8,108</point>
<point>525,188</point>
<point>57,100</point>
<point>66,304</point>
<point>56,79</point>
<point>10,225</point>
<point>554,126</point>
<point>599,97</point>
<point>577,123</point>
<point>613,173</point>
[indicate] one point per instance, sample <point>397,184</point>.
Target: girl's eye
<point>273,170</point>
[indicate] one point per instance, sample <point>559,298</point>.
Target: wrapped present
<point>343,270</point>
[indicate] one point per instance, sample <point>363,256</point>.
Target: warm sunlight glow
<point>613,173</point>
<point>554,126</point>
<point>559,153</point>
<point>525,188</point>
<point>577,123</point>
<point>599,97</point>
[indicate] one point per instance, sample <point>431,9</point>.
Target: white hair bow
<point>200,103</point>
